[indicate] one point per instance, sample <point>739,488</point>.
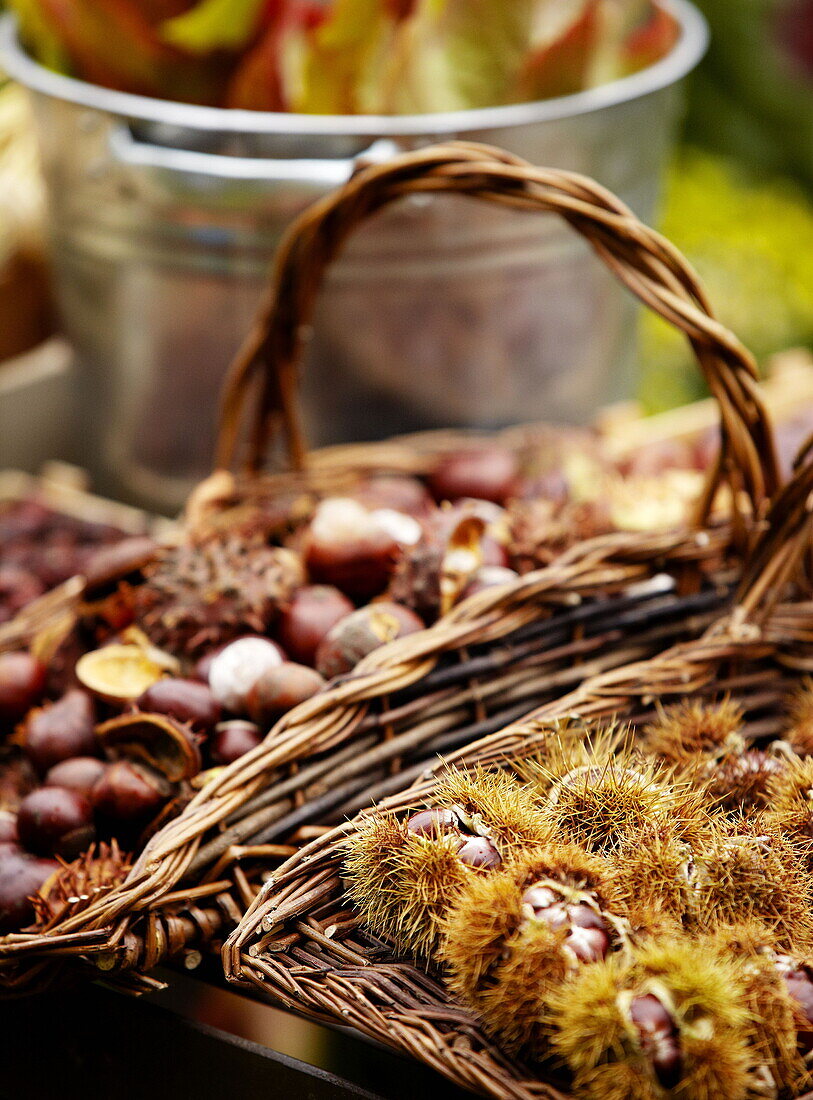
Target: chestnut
<point>313,610</point>
<point>434,822</point>
<point>485,473</point>
<point>119,561</point>
<point>238,666</point>
<point>127,791</point>
<point>799,984</point>
<point>233,739</point>
<point>588,935</point>
<point>80,774</point>
<point>347,547</point>
<point>60,730</point>
<point>479,851</point>
<point>8,827</point>
<point>22,683</point>
<point>21,876</point>
<point>659,1038</point>
<point>186,700</point>
<point>280,689</point>
<point>402,494</point>
<point>55,821</point>
<point>362,632</point>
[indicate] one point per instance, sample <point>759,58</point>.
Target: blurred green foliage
<point>752,244</point>
<point>753,94</point>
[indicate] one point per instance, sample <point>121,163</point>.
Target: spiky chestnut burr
<point>509,937</point>
<point>403,875</point>
<point>74,886</point>
<point>753,874</point>
<point>668,1018</point>
<point>541,530</point>
<point>509,806</point>
<point>196,596</point>
<point>779,996</point>
<point>567,745</point>
<point>739,783</point>
<point>607,804</point>
<point>790,805</point>
<point>690,729</point>
<point>650,874</point>
<point>799,732</point>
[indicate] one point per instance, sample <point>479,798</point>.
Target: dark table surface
<point>194,1039</point>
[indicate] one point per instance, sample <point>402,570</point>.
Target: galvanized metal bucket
<point>164,216</point>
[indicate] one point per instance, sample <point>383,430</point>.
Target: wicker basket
<point>494,657</point>
<point>299,945</point>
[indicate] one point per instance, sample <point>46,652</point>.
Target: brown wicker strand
<point>643,260</point>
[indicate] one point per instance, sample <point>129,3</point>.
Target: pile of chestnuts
<point>40,548</point>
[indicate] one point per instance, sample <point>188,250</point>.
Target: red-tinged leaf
<point>649,42</point>
<point>256,84</point>
<point>260,82</point>
<point>92,33</point>
<point>562,67</point>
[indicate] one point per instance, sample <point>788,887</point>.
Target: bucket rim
<point>685,55</point>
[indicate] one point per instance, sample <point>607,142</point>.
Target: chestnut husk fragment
<point>155,739</point>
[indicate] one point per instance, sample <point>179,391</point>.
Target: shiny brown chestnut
<point>60,730</point>
<point>117,562</point>
<point>55,821</point>
<point>80,774</point>
<point>233,739</point>
<point>485,473</point>
<point>128,791</point>
<point>659,1038</point>
<point>362,632</point>
<point>345,546</point>
<point>187,700</point>
<point>403,494</point>
<point>312,612</point>
<point>21,876</point>
<point>280,689</point>
<point>22,683</point>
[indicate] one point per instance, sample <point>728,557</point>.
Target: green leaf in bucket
<point>213,25</point>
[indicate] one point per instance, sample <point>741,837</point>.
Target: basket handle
<point>265,368</point>
<point>784,544</point>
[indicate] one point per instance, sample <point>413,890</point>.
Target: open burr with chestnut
<point>668,1018</point>
<point>511,937</point>
<point>404,875</point>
